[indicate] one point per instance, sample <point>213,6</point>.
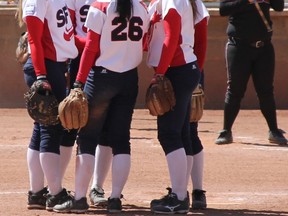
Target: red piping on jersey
<point>79,41</point>
<point>102,6</point>
<point>73,18</point>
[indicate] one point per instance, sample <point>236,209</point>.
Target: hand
<point>155,77</point>
<point>43,86</point>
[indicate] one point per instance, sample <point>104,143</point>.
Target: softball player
<point>78,10</point>
<point>115,34</point>
<point>170,52</point>
<point>51,40</point>
<point>200,46</point>
<point>37,192</point>
<point>250,52</point>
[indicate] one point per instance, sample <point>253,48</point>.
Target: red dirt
<point>246,178</point>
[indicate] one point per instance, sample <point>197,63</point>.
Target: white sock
<point>189,168</point>
<point>50,165</point>
<point>197,171</point>
<point>84,170</point>
<point>121,164</point>
<point>36,175</point>
<point>103,159</point>
<point>177,164</point>
<point>65,157</point>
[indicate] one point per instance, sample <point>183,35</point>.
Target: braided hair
<point>124,8</point>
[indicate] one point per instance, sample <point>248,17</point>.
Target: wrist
<point>155,77</point>
<point>41,77</point>
<point>43,84</point>
<point>78,84</point>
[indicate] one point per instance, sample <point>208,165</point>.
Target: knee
<point>84,147</point>
<point>170,142</point>
<point>69,138</point>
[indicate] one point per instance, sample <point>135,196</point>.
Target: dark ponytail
<point>194,8</point>
<point>124,9</point>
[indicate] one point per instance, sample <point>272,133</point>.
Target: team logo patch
<point>68,34</point>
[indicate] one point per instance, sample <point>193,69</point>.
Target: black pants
<point>111,97</point>
<point>197,146</point>
<point>242,62</point>
<point>73,67</point>
<point>53,135</point>
<point>173,126</point>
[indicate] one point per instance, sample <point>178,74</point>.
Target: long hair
<point>124,8</point>
<point>194,9</point>
<point>18,15</point>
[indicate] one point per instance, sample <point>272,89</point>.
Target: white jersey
<point>160,8</point>
<point>58,36</point>
<point>121,45</point>
<point>80,7</point>
<point>202,11</point>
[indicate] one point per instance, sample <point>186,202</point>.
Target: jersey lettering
<point>83,12</point>
<point>135,32</point>
<point>62,17</point>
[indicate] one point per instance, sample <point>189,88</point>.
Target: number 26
<point>134,33</point>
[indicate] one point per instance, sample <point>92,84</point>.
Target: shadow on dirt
<point>272,145</point>
<point>238,212</point>
<point>133,210</point>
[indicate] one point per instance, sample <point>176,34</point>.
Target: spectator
<point>250,52</point>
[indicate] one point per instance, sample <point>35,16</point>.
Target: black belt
<point>258,44</point>
<point>254,44</point>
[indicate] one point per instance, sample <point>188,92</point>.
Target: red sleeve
<point>80,43</point>
<point>200,43</point>
<point>172,28</point>
<point>35,30</point>
<point>145,42</point>
<point>89,56</point>
<point>73,18</point>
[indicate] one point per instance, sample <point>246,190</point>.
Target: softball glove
<point>73,110</point>
<point>160,97</point>
<point>41,104</point>
<point>197,104</point>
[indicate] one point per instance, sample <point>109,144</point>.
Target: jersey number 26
<point>135,32</point>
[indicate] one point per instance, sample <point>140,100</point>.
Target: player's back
<point>121,46</point>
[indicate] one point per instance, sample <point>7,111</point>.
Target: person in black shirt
<point>249,52</point>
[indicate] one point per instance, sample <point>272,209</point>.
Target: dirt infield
<point>246,178</point>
